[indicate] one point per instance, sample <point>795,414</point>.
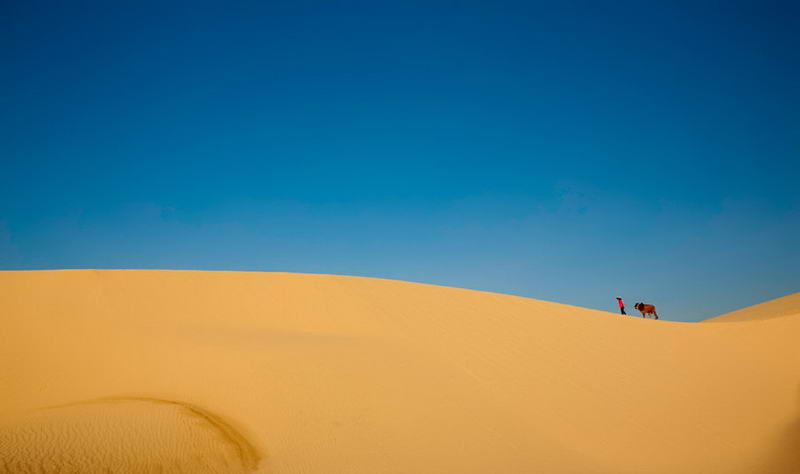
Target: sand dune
<point>124,435</point>
<point>175,371</point>
<point>785,306</point>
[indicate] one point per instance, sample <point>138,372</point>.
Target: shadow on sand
<point>784,458</point>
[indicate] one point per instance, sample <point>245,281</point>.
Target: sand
<point>183,371</point>
<point>785,306</point>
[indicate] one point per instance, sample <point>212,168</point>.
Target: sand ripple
<point>130,435</point>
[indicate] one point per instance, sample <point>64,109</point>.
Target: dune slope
<point>179,371</point>
<point>785,306</point>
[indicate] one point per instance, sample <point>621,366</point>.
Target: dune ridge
<point>335,374</point>
<point>788,305</point>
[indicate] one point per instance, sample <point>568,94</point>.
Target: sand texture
<point>182,371</point>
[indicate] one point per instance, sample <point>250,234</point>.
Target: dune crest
<point>779,307</point>
<point>123,435</point>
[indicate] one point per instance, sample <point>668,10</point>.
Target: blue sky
<point>570,151</point>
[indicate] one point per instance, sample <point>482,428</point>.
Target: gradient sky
<point>569,151</point>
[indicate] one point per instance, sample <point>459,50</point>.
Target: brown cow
<point>646,309</point>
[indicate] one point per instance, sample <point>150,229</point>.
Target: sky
<point>568,151</point>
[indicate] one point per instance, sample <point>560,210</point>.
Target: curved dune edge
<point>338,374</point>
<point>124,434</point>
<point>788,305</point>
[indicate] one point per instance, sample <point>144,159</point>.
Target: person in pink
<point>621,305</point>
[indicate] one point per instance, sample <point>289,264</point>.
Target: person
<point>621,306</point>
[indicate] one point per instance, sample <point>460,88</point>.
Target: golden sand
<point>786,306</point>
<point>183,371</point>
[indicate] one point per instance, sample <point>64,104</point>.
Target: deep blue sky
<point>570,151</point>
